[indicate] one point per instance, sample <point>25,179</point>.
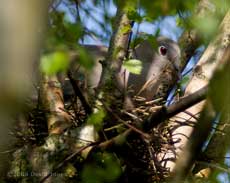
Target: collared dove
<point>160,67</point>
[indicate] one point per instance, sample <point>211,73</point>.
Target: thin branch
<point>146,136</point>
<point>117,49</point>
<point>129,41</point>
<point>78,93</point>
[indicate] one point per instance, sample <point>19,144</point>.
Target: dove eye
<point>163,50</point>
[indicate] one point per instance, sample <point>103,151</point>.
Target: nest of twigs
<point>138,155</point>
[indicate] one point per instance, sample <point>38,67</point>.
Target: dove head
<point>169,49</point>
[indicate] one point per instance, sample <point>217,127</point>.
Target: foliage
<point>54,62</point>
<point>73,23</point>
<point>103,168</point>
<point>133,66</point>
<point>96,119</point>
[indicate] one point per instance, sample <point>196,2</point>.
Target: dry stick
<point>78,93</point>
<point>146,136</point>
<point>159,116</point>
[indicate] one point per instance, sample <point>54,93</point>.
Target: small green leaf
<point>54,62</point>
<point>96,119</point>
<point>74,31</point>
<point>137,41</point>
<point>133,66</point>
<point>157,33</point>
<point>133,15</point>
<point>126,29</point>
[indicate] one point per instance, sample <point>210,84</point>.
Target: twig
<point>154,101</point>
<point>78,93</point>
<point>125,123</point>
<point>113,127</point>
<point>133,116</point>
<point>129,40</point>
<point>190,114</point>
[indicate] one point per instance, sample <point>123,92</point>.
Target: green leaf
<point>133,66</point>
<point>133,14</point>
<point>126,29</point>
<point>54,62</point>
<point>104,167</point>
<point>96,119</point>
<point>74,31</point>
<point>157,33</point>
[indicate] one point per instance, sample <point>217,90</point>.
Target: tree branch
<point>191,39</point>
<point>78,93</point>
<point>203,72</point>
<point>220,94</point>
<point>117,48</point>
<point>215,101</point>
<point>52,99</point>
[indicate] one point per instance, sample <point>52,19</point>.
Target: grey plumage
<point>158,70</point>
<point>156,67</point>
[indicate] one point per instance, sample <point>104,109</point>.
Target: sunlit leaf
<point>54,62</point>
<point>126,29</point>
<point>133,66</point>
<point>96,119</point>
<point>133,14</point>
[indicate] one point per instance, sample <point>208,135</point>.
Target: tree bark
<point>182,125</point>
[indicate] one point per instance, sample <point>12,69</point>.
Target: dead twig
<point>78,93</point>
